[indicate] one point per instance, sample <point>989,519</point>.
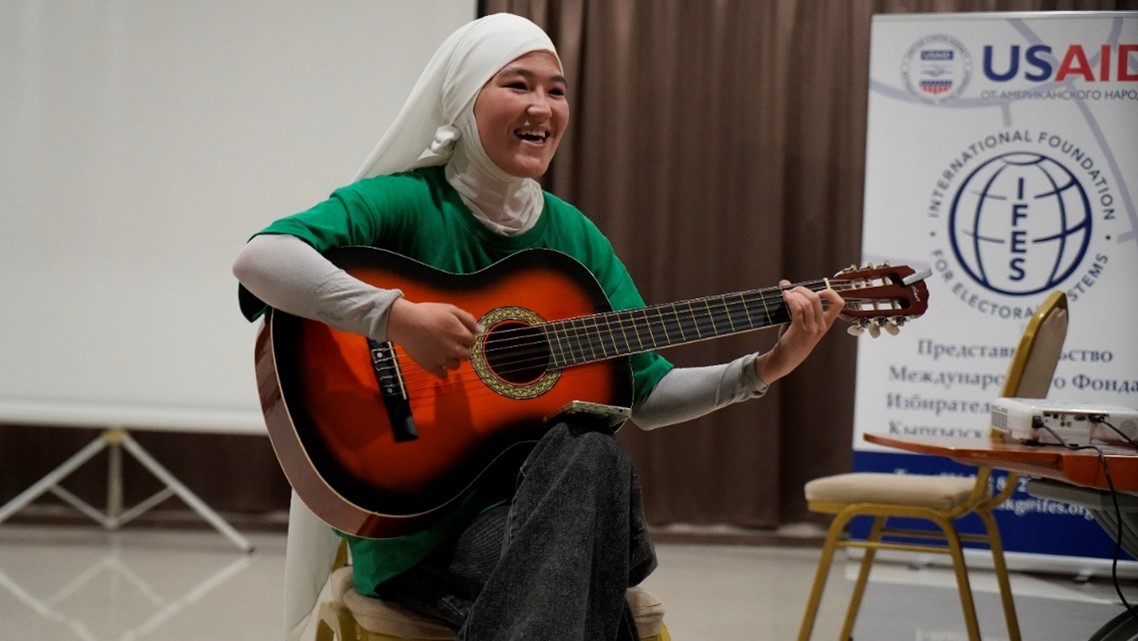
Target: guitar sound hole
<point>517,353</point>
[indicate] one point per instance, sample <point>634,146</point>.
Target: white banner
<point>1002,153</point>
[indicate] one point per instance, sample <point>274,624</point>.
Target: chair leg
<point>1001,568</point>
<point>334,623</point>
<point>862,578</point>
<point>956,550</point>
<point>324,632</point>
<point>828,547</point>
<point>326,624</point>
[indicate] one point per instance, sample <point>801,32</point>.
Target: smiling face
<point>522,113</point>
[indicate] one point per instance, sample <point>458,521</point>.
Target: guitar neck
<point>598,337</point>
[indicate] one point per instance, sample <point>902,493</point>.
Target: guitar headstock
<point>881,297</point>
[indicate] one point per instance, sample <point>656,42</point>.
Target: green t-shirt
<point>419,215</point>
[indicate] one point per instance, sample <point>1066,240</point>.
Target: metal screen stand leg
<point>48,482</point>
<point>191,499</point>
<point>115,438</point>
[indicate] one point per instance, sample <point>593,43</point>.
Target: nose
<point>539,106</point>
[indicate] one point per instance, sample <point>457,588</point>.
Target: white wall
<point>141,143</point>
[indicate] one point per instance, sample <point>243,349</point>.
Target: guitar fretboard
<point>587,339</point>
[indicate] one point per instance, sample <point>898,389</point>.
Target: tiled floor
<point>81,583</point>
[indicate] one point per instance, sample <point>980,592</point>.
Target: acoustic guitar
<point>378,447</point>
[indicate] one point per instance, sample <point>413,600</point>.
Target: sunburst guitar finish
<point>378,447</point>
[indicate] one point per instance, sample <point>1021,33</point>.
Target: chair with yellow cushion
<point>941,500</point>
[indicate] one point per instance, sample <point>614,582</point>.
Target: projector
<point>1024,420</point>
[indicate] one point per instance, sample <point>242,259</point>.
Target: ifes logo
<point>1020,223</point>
<point>1019,213</point>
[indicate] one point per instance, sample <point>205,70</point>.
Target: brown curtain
<point>720,145</point>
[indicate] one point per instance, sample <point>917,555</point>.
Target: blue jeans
<point>551,564</point>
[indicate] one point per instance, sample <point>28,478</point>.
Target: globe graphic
<point>1020,223</point>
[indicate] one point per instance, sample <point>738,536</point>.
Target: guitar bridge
<point>390,378</point>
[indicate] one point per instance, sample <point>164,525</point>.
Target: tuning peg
<point>874,330</point>
<point>855,330</point>
<point>891,327</point>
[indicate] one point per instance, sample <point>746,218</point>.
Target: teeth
<point>532,133</point>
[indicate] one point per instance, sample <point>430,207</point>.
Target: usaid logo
<point>1041,63</point>
<point>936,68</point>
<point>1023,211</point>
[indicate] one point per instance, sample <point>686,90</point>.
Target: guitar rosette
<point>513,355</point>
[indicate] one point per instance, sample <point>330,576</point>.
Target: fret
<point>727,309</point>
<point>556,350</point>
<point>682,325</point>
<point>622,323</point>
<point>659,326</point>
<point>582,338</point>
<point>646,328</point>
<point>694,319</point>
<point>573,337</point>
<point>746,310</point>
<point>766,310</point>
<point>777,311</point>
<point>737,315</point>
<point>679,324</point>
<point>617,338</point>
<point>602,336</point>
<point>635,326</point>
<point>587,338</point>
<point>564,349</point>
<point>565,337</point>
<point>683,322</point>
<point>711,318</point>
<point>596,339</point>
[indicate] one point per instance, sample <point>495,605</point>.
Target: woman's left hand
<point>809,322</point>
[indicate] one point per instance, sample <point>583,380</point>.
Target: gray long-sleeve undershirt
<point>288,274</point>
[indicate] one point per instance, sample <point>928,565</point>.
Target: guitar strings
<point>657,316</point>
<point>536,357</point>
<point>538,349</point>
<point>529,349</point>
<point>539,355</point>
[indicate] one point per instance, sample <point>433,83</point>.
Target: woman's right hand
<point>437,336</point>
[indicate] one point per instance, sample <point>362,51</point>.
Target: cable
<point>1117,510</point>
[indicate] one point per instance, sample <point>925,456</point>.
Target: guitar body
<point>331,424</point>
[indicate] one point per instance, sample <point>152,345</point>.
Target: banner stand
<point>1001,153</point>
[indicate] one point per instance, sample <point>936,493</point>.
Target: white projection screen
<point>141,143</point>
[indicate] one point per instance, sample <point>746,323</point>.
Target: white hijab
<point>436,125</point>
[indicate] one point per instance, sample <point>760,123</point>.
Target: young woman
<point>452,184</point>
